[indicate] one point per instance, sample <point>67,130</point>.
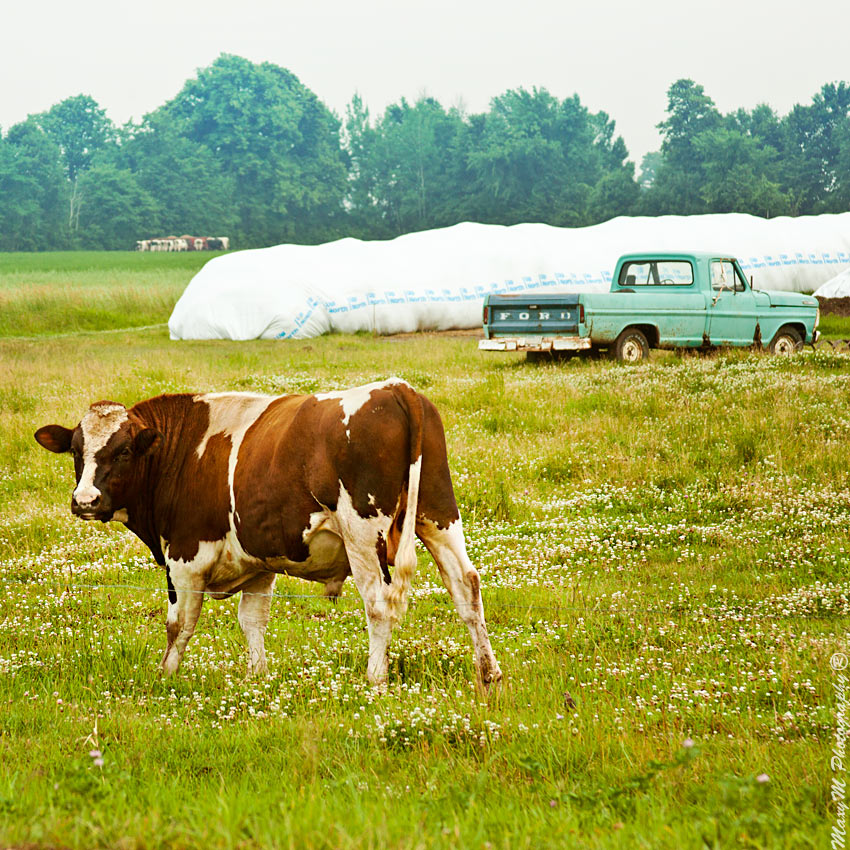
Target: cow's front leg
<point>254,609</point>
<point>380,631</point>
<point>182,617</point>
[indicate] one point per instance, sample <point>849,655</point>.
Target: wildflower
<point>687,743</point>
<point>762,778</point>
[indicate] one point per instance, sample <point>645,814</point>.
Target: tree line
<point>246,150</point>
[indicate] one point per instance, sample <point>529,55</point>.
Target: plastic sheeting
<point>836,287</point>
<point>436,279</point>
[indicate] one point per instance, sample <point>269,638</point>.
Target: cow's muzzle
<point>87,510</point>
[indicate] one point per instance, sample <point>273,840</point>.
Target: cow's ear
<point>54,438</point>
<point>145,440</point>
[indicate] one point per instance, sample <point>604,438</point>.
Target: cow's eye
<point>125,453</point>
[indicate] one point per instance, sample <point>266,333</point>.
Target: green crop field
<point>664,560</point>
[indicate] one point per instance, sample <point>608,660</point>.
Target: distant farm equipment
<point>185,243</point>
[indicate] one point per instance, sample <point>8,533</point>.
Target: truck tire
<point>631,346</point>
<point>787,341</point>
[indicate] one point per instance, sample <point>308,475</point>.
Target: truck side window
<point>675,272</point>
<point>725,276</point>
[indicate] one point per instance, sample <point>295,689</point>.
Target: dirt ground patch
<point>834,306</point>
<point>469,333</point>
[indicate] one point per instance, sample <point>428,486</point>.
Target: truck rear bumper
<point>558,343</point>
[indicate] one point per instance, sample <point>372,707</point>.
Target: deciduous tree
<point>275,139</point>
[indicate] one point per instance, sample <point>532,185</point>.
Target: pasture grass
<point>71,291</point>
<point>666,544</point>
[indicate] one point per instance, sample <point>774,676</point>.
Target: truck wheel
<point>787,341</point>
<point>631,346</point>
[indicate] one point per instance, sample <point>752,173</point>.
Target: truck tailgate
<point>527,315</point>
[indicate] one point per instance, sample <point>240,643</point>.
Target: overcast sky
<point>618,56</point>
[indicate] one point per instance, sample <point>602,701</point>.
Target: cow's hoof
<point>489,674</point>
<point>169,664</point>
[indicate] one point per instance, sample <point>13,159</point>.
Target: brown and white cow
<point>228,490</point>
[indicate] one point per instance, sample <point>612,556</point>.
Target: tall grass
<point>62,292</point>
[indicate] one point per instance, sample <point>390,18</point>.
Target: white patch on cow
<point>208,553</point>
<point>360,535</point>
<point>222,565</point>
<point>352,400</point>
<point>230,413</point>
<point>98,426</point>
<point>121,516</point>
<point>171,616</point>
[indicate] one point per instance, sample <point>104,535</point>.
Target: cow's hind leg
<point>380,618</point>
<point>365,546</point>
<point>183,613</point>
<point>254,609</point>
<point>448,548</point>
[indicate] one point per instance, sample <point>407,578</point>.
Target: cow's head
<point>107,447</point>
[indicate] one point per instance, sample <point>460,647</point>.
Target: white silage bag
<point>837,287</point>
<point>437,279</point>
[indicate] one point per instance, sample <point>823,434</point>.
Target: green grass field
<point>667,543</point>
<point>73,291</point>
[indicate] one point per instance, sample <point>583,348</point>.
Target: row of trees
<point>246,150</point>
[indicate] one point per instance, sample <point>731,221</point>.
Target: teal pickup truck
<point>657,300</point>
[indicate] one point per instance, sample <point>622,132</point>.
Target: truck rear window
<point>656,273</point>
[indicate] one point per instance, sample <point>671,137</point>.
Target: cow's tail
<point>405,559</point>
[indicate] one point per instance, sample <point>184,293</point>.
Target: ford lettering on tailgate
<point>535,316</point>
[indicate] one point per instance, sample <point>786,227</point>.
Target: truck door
<point>731,306</point>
